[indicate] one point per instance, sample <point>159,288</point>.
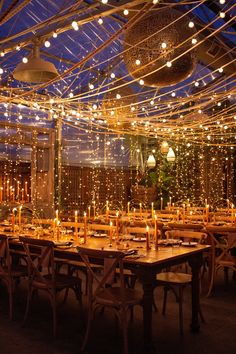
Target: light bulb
<point>1,71</point>
<point>113,75</point>
<point>47,44</point>
<point>163,45</point>
<point>222,14</point>
<point>137,62</point>
<point>191,24</point>
<point>126,12</point>
<point>100,21</point>
<point>194,41</point>
<point>104,1</point>
<point>75,25</point>
<point>118,96</point>
<point>25,60</point>
<point>169,64</point>
<point>141,82</point>
<point>54,35</point>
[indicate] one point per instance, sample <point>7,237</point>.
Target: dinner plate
<point>139,239</point>
<point>99,235</point>
<point>169,242</point>
<point>62,243</point>
<point>189,244</point>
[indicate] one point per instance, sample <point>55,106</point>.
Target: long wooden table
<point>146,267</point>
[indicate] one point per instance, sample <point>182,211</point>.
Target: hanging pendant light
<point>171,155</point>
<point>164,147</point>
<point>36,70</point>
<point>151,162</point>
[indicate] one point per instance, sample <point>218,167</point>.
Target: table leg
<point>195,263</point>
<point>148,280</point>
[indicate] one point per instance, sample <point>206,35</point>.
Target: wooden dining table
<point>145,264</point>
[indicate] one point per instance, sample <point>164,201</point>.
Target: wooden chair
<point>177,281</point>
<point>43,274</point>
<point>188,227</point>
<point>223,240</point>
<point>119,298</point>
<point>10,273</point>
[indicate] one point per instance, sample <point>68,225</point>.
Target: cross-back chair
<point>177,281</point>
<point>43,274</point>
<point>10,273</point>
<point>223,241</point>
<point>117,297</point>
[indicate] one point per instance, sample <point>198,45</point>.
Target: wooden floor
<point>217,336</point>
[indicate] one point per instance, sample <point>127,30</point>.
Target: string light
<point>75,25</point>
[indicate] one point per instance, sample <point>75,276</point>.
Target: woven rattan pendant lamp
<point>36,70</point>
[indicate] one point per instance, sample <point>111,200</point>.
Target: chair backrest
<point>101,227</point>
<point>110,260</point>
<point>139,230</point>
<point>5,258</point>
<point>187,235</point>
<point>40,258</point>
<point>42,221</point>
<point>178,226</point>
<point>223,238</point>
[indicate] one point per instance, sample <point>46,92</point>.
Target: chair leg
<point>88,327</point>
<point>10,299</point>
<point>54,312</point>
<point>125,330</point>
<point>226,278</point>
<point>181,310</point>
<point>201,315</point>
<point>164,300</point>
<point>29,297</point>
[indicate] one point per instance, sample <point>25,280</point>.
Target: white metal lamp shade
<point>151,162</point>
<point>36,70</point>
<point>164,147</point>
<point>171,155</point>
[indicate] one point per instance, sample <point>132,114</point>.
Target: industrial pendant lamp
<point>164,147</point>
<point>151,162</point>
<point>36,70</point>
<point>171,155</point>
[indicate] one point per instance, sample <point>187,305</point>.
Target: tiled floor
<point>217,336</point>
